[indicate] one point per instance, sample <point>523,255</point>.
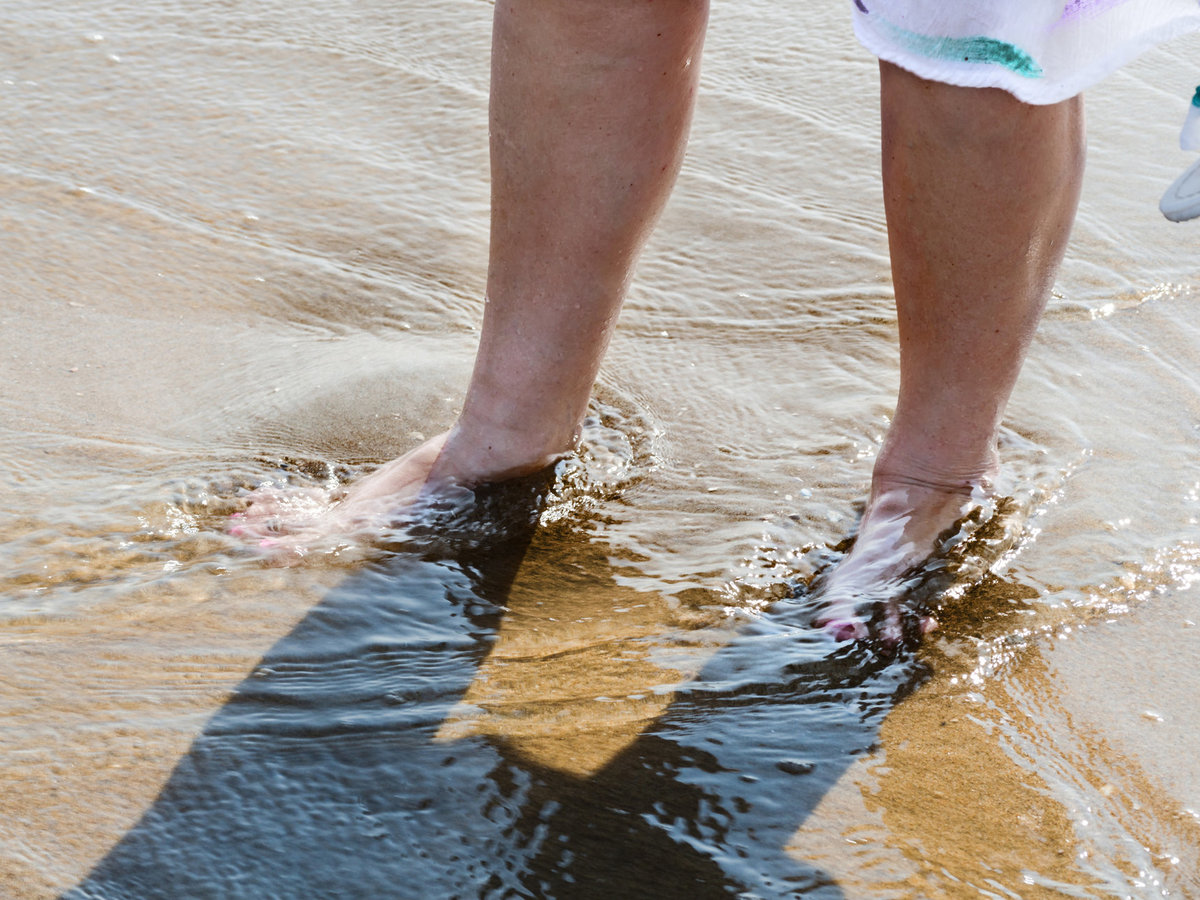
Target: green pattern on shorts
<point>967,49</point>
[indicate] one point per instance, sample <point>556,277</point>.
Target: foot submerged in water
<point>288,523</point>
<point>901,543</point>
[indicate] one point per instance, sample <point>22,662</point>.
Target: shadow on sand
<point>324,776</point>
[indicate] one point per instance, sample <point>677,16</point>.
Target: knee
<point>961,116</point>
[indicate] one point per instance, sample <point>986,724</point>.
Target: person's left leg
<point>980,192</point>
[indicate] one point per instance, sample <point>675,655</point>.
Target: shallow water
<point>246,244</point>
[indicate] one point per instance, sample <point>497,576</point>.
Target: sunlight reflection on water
<point>218,273</point>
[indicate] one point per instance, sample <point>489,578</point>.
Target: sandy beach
<point>247,244</point>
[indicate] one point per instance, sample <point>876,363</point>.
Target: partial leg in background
<point>980,192</point>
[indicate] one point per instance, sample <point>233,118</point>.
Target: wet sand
<point>249,245</point>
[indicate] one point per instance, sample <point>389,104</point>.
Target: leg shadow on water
<point>324,775</point>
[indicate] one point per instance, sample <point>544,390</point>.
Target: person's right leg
<point>591,101</point>
<point>591,104</point>
<point>980,193</point>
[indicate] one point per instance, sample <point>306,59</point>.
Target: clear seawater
<point>245,242</point>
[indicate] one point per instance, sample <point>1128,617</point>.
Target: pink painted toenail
<point>846,630</point>
<point>267,542</point>
<point>237,530</point>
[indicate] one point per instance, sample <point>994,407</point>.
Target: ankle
<point>960,474</point>
<point>886,481</point>
<point>477,452</point>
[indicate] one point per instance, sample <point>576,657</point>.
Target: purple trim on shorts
<point>1078,8</point>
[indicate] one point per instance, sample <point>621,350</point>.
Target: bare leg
<point>591,101</point>
<point>980,192</point>
<point>591,104</point>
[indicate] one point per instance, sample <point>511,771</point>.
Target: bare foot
<point>287,523</point>
<point>905,525</point>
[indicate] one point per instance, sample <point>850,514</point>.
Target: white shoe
<point>1182,199</point>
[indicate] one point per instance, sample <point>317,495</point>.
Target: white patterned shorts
<point>1042,51</point>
